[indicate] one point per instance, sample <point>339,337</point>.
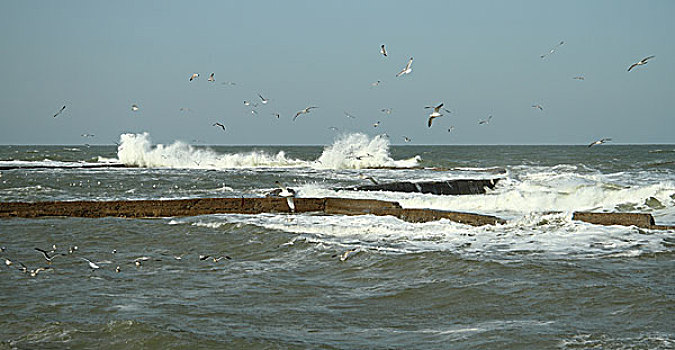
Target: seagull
<point>254,112</point>
<point>304,111</point>
<point>642,61</point>
<point>8,262</point>
<point>263,100</point>
<point>59,112</point>
<point>72,249</point>
<point>376,124</point>
<point>579,77</point>
<point>134,107</point>
<point>333,128</point>
<point>599,142</point>
<point>276,115</point>
<point>194,76</point>
<point>383,51</point>
<point>370,178</point>
<point>376,83</point>
<point>349,116</point>
<point>407,69</point>
<point>406,139</point>
<point>287,194</point>
<point>35,272</point>
<point>485,121</point>
<point>46,255</point>
<point>221,258</point>
<point>92,265</point>
<point>212,77</point>
<point>552,50</point>
<point>541,108</point>
<point>203,257</point>
<point>451,128</point>
<point>344,256</point>
<point>87,135</point>
<point>220,125</point>
<point>386,110</point>
<point>434,114</point>
<point>248,103</point>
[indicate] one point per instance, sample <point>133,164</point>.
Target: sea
<point>539,281</point>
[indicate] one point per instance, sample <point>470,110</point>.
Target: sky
<point>479,58</point>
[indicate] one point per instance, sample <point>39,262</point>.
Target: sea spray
<point>358,151</point>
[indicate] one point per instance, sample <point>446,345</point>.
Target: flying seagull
<point>579,77</point>
<point>287,194</point>
<point>386,110</point>
<point>45,253</point>
<point>376,124</point>
<point>304,111</point>
<point>59,112</point>
<point>484,121</point>
<point>194,76</point>
<point>263,100</point>
<point>134,107</point>
<point>435,113</point>
<point>383,51</point>
<point>220,125</point>
<point>276,115</point>
<point>553,49</point>
<point>92,265</point>
<point>451,128</point>
<point>212,77</point>
<point>407,139</point>
<point>642,61</point>
<point>541,108</point>
<point>375,83</point>
<point>349,116</point>
<point>599,142</point>
<point>407,69</point>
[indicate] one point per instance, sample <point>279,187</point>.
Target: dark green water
<point>541,281</point>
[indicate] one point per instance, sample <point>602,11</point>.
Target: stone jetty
<point>204,206</point>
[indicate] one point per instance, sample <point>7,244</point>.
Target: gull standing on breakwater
<point>641,62</point>
<point>407,69</point>
<point>59,112</point>
<point>304,111</point>
<point>286,194</point>
<point>599,142</point>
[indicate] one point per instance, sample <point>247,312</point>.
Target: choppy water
<point>539,281</point>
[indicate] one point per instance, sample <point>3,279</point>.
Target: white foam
<point>358,151</point>
<point>352,151</point>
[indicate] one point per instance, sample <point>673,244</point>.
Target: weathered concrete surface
<point>69,166</point>
<point>449,187</point>
<point>624,219</point>
<point>204,206</point>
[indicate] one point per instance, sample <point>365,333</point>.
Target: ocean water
<point>539,281</point>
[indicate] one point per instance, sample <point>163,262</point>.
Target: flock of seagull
<point>53,256</point>
<point>407,69</point>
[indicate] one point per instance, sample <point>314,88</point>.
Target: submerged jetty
<point>448,187</point>
<point>252,206</point>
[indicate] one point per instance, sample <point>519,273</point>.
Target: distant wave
<point>352,151</point>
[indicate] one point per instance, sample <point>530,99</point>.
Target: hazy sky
<point>478,57</point>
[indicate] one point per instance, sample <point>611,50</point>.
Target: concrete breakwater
<point>205,206</point>
<point>318,206</point>
<point>449,187</point>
